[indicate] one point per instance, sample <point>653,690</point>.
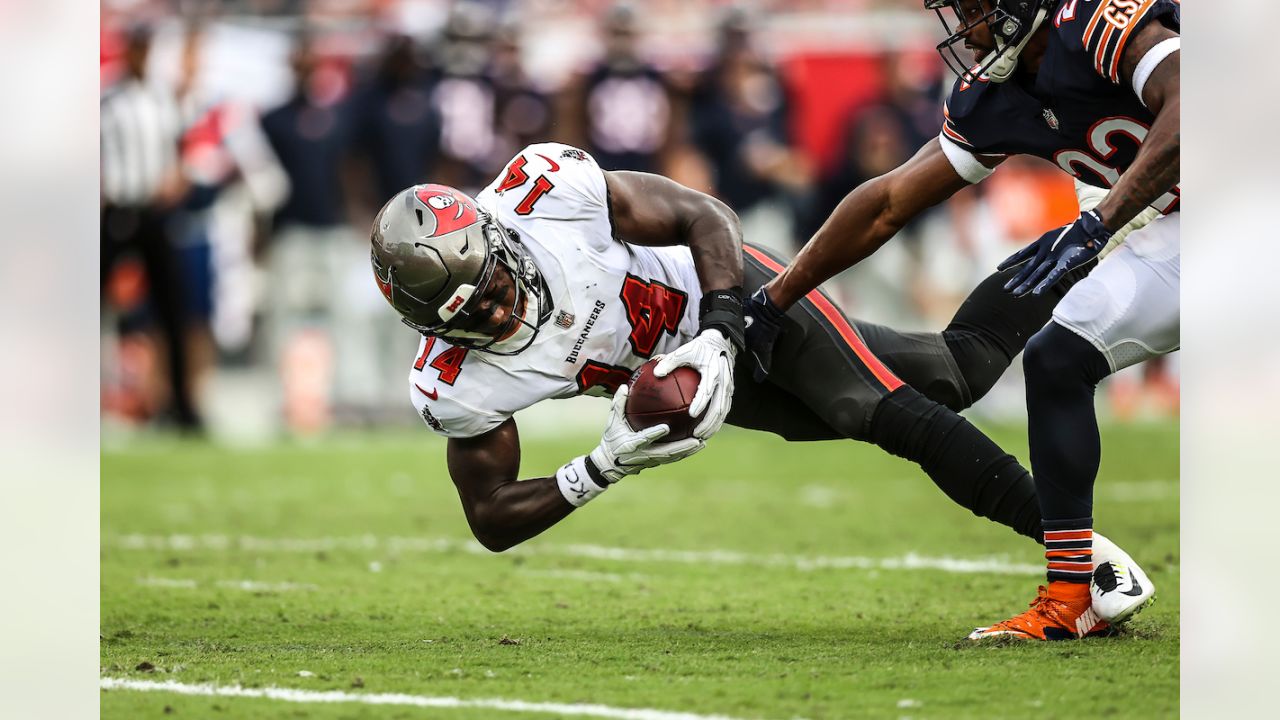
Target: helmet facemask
<point>530,306</point>
<point>1011,23</point>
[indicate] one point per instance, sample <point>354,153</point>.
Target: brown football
<point>654,400</point>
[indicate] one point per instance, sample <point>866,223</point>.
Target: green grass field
<point>756,580</point>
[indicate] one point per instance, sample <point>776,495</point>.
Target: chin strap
<point>1006,61</point>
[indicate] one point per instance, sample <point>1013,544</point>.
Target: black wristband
<point>722,310</point>
<point>593,472</point>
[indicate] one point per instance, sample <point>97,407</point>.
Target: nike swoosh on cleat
<point>1134,591</point>
<point>433,395</point>
<point>555,166</point>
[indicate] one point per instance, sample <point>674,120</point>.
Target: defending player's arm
<point>1152,63</point>
<point>864,220</point>
<point>653,210</point>
<point>1157,165</point>
<point>504,511</point>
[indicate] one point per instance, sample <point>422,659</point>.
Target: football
<point>654,400</point>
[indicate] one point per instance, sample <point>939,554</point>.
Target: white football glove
<point>712,355</point>
<point>623,451</point>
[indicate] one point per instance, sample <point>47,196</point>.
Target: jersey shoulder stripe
<point>949,128</point>
<point>1113,23</point>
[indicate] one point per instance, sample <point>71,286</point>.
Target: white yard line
<point>394,545</point>
<point>1137,491</point>
<point>246,585</point>
<point>338,696</point>
<point>583,575</point>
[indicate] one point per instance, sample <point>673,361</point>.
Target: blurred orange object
<point>306,371</point>
<point>1030,197</point>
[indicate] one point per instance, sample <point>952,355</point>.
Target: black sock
<point>1062,370</point>
<point>963,462</point>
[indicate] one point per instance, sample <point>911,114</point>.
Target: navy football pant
<point>833,378</point>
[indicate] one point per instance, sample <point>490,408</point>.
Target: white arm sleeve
<point>967,165</point>
<point>1152,60</point>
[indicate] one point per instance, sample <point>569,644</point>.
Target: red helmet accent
<point>452,209</point>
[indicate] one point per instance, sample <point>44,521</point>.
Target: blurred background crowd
<point>247,144</point>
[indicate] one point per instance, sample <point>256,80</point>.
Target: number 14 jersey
<point>615,305</point>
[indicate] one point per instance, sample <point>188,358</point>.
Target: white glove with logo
<point>712,355</point>
<point>623,451</point>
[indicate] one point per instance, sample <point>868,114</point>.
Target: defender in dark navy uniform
<point>1092,86</point>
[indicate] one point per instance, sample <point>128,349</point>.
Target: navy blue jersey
<point>1079,111</point>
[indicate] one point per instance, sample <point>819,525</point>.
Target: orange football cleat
<point>1062,611</point>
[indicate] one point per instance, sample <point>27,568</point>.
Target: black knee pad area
<point>1056,355</point>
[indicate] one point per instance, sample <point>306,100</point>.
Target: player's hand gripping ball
<point>654,401</point>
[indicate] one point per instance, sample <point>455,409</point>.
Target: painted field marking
<point>393,545</point>
<point>582,575</point>
<point>338,696</point>
<point>246,585</point>
<point>1138,491</point>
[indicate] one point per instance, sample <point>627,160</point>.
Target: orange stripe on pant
<point>841,323</point>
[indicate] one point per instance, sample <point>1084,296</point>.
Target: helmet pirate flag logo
<point>450,209</point>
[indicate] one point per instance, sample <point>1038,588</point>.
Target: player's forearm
<point>860,224</point>
<point>1154,171</point>
<point>714,236</point>
<point>517,511</point>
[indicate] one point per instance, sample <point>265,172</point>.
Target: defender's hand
<point>1057,253</point>
<point>764,324</point>
<point>712,355</point>
<point>623,451</point>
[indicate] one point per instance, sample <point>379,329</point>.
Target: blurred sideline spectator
<point>523,110</point>
<point>398,127</point>
<point>223,149</point>
<point>740,120</point>
<point>142,185</point>
<point>312,246</point>
<point>623,103</point>
<point>465,98</point>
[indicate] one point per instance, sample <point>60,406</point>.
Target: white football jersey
<point>615,305</point>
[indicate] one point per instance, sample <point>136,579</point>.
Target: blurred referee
<point>141,185</point>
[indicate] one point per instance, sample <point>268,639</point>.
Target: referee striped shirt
<point>141,127</point>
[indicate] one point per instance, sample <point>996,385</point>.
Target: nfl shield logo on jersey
<point>564,320</point>
<point>1050,118</point>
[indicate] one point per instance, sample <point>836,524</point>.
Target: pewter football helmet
<point>435,252</point>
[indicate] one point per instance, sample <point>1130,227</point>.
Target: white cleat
<point>1119,587</point>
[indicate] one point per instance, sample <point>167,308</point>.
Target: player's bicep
<point>1152,64</point>
<point>480,465</point>
<point>647,209</point>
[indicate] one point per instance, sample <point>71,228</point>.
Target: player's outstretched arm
<point>865,219</point>
<point>502,510</point>
<point>1157,166</point>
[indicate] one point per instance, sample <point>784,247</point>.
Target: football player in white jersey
<point>560,279</point>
